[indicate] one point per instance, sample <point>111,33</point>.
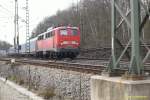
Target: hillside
<point>94,19</point>
<point>4,45</point>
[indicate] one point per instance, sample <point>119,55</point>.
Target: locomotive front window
<point>74,32</point>
<point>41,37</point>
<point>63,32</point>
<point>48,35</point>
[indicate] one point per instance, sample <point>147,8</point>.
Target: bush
<point>47,93</point>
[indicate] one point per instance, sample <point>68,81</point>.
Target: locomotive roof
<point>33,39</point>
<point>61,27</point>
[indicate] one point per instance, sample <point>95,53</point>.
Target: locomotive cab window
<point>53,33</point>
<point>41,37</point>
<point>74,32</point>
<point>63,32</point>
<point>48,35</point>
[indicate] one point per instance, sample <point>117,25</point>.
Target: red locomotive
<point>58,42</point>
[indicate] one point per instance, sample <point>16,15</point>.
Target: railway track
<point>107,48</point>
<point>85,68</point>
<point>79,67</point>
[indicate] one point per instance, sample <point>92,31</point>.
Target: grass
<point>47,93</point>
<point>16,80</point>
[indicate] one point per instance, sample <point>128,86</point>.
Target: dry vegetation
<point>94,19</point>
<point>4,45</point>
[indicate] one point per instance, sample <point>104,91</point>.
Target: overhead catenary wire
<point>5,8</point>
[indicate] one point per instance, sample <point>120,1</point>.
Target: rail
<point>79,67</point>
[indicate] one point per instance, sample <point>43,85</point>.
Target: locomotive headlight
<point>64,42</point>
<point>74,42</point>
<point>69,42</point>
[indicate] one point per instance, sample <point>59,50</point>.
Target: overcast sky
<point>39,9</point>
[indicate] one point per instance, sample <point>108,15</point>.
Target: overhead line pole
<point>27,28</point>
<point>16,28</point>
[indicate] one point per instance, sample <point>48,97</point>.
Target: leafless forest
<point>94,19</point>
<point>4,45</point>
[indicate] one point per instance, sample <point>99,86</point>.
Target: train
<point>59,42</point>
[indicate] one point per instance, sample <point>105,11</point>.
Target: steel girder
<point>135,25</point>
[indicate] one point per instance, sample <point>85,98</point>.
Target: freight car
<point>59,42</point>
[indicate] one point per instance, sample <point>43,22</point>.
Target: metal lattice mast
<point>133,21</point>
<point>16,28</point>
<point>27,29</point>
<point>136,62</point>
